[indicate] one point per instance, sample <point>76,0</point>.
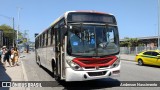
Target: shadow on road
<point>154,66</point>
<point>3,77</point>
<point>85,85</point>
<point>92,84</point>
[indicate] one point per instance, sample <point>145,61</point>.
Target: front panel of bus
<point>92,46</point>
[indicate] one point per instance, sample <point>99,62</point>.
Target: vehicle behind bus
<point>80,45</point>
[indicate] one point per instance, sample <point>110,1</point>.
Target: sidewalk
<point>127,57</point>
<point>15,73</point>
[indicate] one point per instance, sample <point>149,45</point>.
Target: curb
<point>24,75</point>
<point>24,72</point>
<point>128,60</point>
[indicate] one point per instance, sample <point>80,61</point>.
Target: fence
<point>134,50</point>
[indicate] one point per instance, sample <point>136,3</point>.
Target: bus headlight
<point>73,65</point>
<point>116,63</point>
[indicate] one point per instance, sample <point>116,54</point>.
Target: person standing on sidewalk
<point>16,56</point>
<point>7,54</point>
<point>0,55</point>
<point>12,57</point>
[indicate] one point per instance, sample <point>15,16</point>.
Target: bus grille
<point>97,73</point>
<point>95,62</point>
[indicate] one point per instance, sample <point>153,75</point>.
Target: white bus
<point>79,46</point>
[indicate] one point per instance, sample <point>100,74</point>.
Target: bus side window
<point>37,43</point>
<point>40,40</point>
<point>52,35</point>
<point>46,38</point>
<point>43,40</point>
<point>49,37</point>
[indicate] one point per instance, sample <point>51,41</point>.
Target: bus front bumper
<point>72,75</point>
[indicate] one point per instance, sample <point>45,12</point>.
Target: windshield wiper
<point>90,50</point>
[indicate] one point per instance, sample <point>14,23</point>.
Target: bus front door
<point>57,73</point>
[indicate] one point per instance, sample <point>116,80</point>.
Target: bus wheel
<point>57,77</point>
<point>140,62</point>
<point>38,62</point>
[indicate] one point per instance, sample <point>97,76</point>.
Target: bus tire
<point>57,77</point>
<point>53,67</point>
<point>38,61</point>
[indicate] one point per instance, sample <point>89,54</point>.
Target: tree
<point>8,32</point>
<point>126,42</point>
<point>134,42</point>
<point>129,42</point>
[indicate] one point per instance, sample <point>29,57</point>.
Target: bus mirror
<point>35,34</point>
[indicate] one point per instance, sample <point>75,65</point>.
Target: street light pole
<point>13,33</point>
<point>18,25</point>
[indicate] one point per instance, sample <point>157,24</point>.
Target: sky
<point>135,18</point>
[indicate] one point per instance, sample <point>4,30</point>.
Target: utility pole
<point>13,33</point>
<point>18,25</point>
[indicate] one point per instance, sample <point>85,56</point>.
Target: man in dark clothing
<point>7,54</point>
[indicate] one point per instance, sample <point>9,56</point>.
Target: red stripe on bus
<point>94,62</point>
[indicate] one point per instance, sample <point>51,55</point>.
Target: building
<point>151,41</point>
<point>4,41</point>
<point>1,38</point>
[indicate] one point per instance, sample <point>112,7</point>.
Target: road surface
<point>130,71</point>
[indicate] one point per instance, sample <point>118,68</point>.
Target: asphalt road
<point>130,72</point>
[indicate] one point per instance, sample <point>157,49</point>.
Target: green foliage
<point>8,31</point>
<point>133,41</point>
<point>24,40</point>
<point>129,42</point>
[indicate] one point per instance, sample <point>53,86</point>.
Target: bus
<point>79,46</point>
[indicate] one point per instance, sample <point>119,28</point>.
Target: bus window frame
<point>52,35</point>
<point>43,39</point>
<point>49,37</point>
<point>46,38</point>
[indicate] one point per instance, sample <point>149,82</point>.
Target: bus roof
<point>66,13</point>
<point>93,11</point>
<point>87,11</point>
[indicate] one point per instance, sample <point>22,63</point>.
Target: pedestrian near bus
<point>16,56</point>
<point>7,53</point>
<point>12,56</point>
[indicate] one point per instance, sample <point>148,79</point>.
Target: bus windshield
<point>92,40</point>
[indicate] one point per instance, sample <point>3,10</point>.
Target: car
<point>150,57</point>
